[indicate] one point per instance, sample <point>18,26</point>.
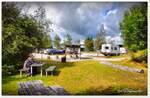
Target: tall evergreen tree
<point>57,41</point>
<point>100,38</point>
<point>40,16</point>
<point>89,44</point>
<point>68,40</point>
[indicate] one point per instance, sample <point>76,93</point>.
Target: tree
<point>100,38</point>
<point>68,39</point>
<point>89,44</point>
<point>9,12</point>
<point>20,34</point>
<point>78,42</point>
<point>47,42</point>
<point>12,35</point>
<point>110,41</point>
<point>57,41</point>
<point>40,16</point>
<point>134,27</point>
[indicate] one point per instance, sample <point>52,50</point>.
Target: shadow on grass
<point>86,58</point>
<point>58,64</point>
<point>7,79</point>
<point>55,73</point>
<point>113,91</point>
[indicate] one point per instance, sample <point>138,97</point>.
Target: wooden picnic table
<point>36,65</point>
<point>36,87</point>
<point>50,69</point>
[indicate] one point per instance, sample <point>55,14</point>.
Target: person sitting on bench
<point>27,64</point>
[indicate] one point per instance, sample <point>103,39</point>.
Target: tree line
<point>66,41</point>
<point>89,42</point>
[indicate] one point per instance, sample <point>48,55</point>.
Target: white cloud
<point>116,39</point>
<point>53,14</point>
<point>83,19</point>
<point>114,11</point>
<point>63,32</point>
<point>57,30</point>
<point>105,26</point>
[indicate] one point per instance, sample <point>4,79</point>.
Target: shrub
<point>9,69</point>
<point>140,56</point>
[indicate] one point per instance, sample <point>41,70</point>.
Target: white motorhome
<point>123,50</point>
<point>109,49</point>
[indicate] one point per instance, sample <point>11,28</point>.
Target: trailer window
<point>115,48</point>
<point>106,47</point>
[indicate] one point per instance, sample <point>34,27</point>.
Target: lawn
<point>85,78</point>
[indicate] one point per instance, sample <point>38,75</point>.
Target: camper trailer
<point>109,49</point>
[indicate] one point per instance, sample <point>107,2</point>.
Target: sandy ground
<point>84,56</point>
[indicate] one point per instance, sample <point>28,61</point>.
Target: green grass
<point>84,78</point>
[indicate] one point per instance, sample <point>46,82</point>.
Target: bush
<point>9,70</point>
<point>140,56</point>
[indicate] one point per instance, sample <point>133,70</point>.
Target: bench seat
<point>23,70</point>
<point>50,69</point>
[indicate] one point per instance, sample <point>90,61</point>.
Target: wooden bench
<point>37,88</point>
<point>23,70</point>
<point>50,69</point>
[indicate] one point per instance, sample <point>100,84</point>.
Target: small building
<point>74,50</point>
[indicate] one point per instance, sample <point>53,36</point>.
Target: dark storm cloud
<point>85,18</point>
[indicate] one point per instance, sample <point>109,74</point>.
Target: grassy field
<point>85,78</point>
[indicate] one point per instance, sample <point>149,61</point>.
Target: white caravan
<point>109,49</point>
<point>123,50</point>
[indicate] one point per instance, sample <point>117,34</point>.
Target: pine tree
<point>100,38</point>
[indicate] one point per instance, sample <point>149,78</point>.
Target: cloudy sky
<point>83,19</point>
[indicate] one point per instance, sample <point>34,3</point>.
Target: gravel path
<point>109,59</point>
<point>122,67</point>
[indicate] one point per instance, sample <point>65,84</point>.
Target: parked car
<point>54,51</point>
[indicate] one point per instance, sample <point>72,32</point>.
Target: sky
<point>83,19</point>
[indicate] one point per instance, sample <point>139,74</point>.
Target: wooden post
<point>46,73</point>
<point>80,53</point>
<point>52,73</point>
<point>31,71</point>
<point>65,50</point>
<point>20,73</point>
<point>41,71</point>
